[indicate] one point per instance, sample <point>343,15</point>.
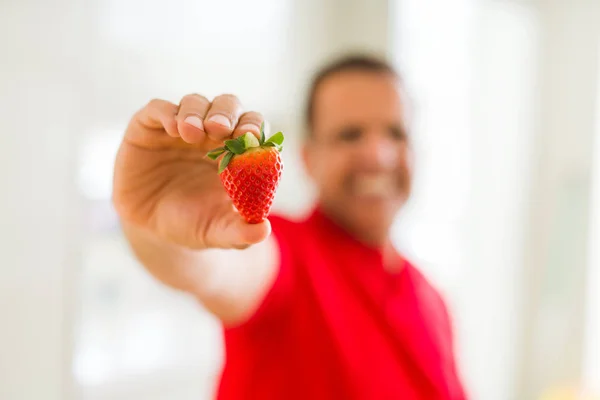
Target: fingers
<point>192,111</point>
<point>222,117</point>
<point>249,122</point>
<point>197,120</point>
<point>159,114</point>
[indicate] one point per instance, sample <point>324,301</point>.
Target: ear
<point>308,158</point>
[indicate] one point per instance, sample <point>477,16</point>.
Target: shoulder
<point>418,277</point>
<point>431,302</point>
<point>424,289</point>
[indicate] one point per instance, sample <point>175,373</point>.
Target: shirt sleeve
<point>459,389</point>
<point>276,299</point>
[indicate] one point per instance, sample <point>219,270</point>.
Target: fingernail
<point>248,128</point>
<point>221,120</point>
<point>194,121</point>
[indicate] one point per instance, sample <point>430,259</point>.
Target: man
<point>322,308</point>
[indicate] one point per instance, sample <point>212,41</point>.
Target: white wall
<point>38,227</point>
<point>557,243</point>
<point>505,61</point>
<point>591,361</point>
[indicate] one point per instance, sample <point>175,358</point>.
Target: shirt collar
<point>339,239</point>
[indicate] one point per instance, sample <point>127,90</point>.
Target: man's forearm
<point>230,283</point>
<point>173,265</point>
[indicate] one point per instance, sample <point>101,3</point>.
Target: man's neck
<point>372,239</point>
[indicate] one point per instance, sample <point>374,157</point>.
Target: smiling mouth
<point>374,186</point>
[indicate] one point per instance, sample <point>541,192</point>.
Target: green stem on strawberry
<point>243,143</point>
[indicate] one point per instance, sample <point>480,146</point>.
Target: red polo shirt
<point>337,325</point>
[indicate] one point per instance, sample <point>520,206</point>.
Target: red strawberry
<point>250,170</point>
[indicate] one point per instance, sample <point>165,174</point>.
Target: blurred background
<point>505,217</point>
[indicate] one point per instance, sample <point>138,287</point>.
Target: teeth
<point>374,185</point>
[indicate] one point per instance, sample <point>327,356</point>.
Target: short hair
<point>354,62</point>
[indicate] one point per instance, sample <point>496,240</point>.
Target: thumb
<point>235,232</point>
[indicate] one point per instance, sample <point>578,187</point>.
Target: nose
<point>380,153</point>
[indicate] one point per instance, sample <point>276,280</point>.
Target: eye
<point>398,133</point>
<point>350,135</point>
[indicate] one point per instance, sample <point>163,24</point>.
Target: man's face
<point>359,154</point>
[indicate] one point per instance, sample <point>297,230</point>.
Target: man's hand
<point>163,182</point>
<point>176,214</point>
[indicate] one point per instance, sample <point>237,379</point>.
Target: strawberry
<point>250,170</point>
